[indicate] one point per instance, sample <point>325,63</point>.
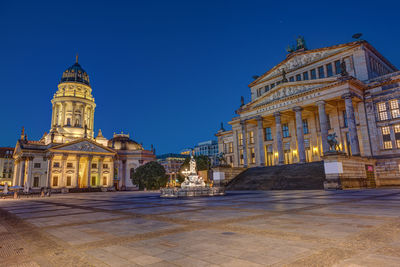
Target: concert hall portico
<point>349,90</point>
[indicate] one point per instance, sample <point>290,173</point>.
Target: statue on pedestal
<point>333,143</point>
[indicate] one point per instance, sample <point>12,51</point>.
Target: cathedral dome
<point>123,142</point>
<point>75,73</point>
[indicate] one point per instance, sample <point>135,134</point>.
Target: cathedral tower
<point>73,106</point>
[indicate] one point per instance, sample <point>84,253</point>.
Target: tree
<point>150,176</point>
<point>203,163</point>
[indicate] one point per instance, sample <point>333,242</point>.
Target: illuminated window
<point>337,67</point>
<point>241,156</point>
<point>285,130</point>
<point>305,127</point>
<point>387,142</point>
<point>321,73</point>
<point>268,134</point>
<point>394,107</point>
<point>382,111</point>
<point>313,74</point>
<point>69,178</point>
<point>35,181</point>
<point>397,134</point>
<point>55,180</point>
<point>329,70</point>
<point>251,137</point>
<point>252,155</point>
<point>230,150</point>
<point>240,139</point>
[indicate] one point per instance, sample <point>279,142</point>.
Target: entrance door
<point>369,169</point>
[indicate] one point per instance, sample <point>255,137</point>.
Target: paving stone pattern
<point>246,228</point>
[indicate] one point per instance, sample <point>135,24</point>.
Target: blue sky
<point>167,72</point>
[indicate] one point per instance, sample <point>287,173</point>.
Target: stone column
<point>89,170</point>
<point>53,116</point>
<point>63,114</point>
<point>236,153</point>
<point>63,182</point>
<point>83,116</point>
<point>73,114</point>
<point>279,142</point>
<point>111,176</point>
<point>245,162</point>
<point>351,122</point>
<point>123,174</point>
<point>300,134</point>
<point>29,172</point>
<point>323,122</point>
<point>78,157</point>
<point>100,170</point>
<point>22,172</point>
<point>49,166</point>
<point>16,172</point>
<point>260,138</point>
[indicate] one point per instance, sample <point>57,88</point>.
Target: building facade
<point>349,90</point>
<point>6,165</point>
<point>69,156</point>
<point>172,163</point>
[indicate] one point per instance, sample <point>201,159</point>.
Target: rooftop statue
<point>284,79</point>
<point>301,43</point>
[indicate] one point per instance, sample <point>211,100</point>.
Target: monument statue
<point>192,179</point>
<point>333,143</point>
<point>301,43</point>
<point>241,101</point>
<point>343,69</point>
<point>284,79</point>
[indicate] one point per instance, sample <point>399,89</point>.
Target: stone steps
<point>301,176</point>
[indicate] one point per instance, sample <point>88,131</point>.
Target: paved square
<point>257,228</point>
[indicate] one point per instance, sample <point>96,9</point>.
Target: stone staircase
<point>301,176</point>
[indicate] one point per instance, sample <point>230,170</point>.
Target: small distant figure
<point>5,190</point>
<point>343,69</point>
<point>42,192</point>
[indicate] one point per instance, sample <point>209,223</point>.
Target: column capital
<point>320,103</point>
<point>243,122</point>
<point>297,109</point>
<point>259,118</point>
<point>277,114</point>
<point>347,95</point>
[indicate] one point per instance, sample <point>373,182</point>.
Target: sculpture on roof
<point>343,69</point>
<point>284,79</point>
<point>301,43</point>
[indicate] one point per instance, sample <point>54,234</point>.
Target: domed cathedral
<point>73,106</point>
<point>69,157</point>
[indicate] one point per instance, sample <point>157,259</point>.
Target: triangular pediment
<point>83,145</point>
<point>289,89</point>
<point>302,59</point>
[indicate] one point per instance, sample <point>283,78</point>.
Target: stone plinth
<point>192,192</point>
<point>343,171</point>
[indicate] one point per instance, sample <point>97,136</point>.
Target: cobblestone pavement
<point>278,228</point>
